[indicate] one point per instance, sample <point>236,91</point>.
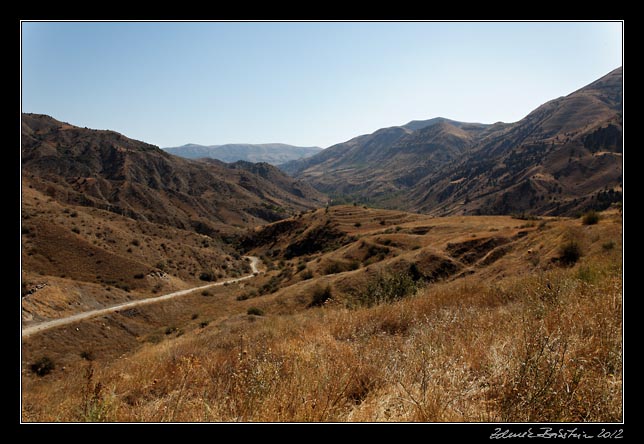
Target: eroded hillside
<point>364,314</point>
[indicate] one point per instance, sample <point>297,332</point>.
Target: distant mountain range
<point>562,158</point>
<point>273,153</point>
<point>106,170</point>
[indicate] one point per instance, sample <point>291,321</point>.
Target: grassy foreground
<point>541,346</point>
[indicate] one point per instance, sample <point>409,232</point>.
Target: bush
<point>306,275</point>
<point>607,246</point>
<point>340,267</point>
<point>76,230</point>
<point>207,276</point>
<point>255,311</point>
<point>43,366</point>
<point>570,253</point>
<point>386,288</point>
<point>590,218</point>
<point>357,225</point>
<point>271,286</point>
<point>138,276</point>
<point>206,293</point>
<point>320,296</point>
<point>87,355</point>
<point>135,242</point>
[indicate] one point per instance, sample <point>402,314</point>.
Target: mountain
<point>378,167</point>
<point>562,158</point>
<point>272,153</point>
<point>106,170</point>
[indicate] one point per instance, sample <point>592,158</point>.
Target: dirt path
<point>26,332</point>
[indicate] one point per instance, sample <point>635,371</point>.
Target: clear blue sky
<point>301,83</point>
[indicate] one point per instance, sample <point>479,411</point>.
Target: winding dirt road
<point>26,332</point>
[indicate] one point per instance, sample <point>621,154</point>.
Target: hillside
<point>272,153</point>
<point>106,170</point>
<point>364,315</point>
<point>375,166</point>
<point>563,158</point>
<point>77,258</point>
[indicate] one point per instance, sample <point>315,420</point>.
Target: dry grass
<point>86,258</point>
<point>540,348</point>
<point>521,339</point>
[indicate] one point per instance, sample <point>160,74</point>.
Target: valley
<point>439,271</point>
<point>358,309</point>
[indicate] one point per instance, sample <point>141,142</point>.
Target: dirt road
<point>26,332</point>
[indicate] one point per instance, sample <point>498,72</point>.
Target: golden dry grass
<point>544,344</point>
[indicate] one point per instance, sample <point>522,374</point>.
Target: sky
<point>302,83</point>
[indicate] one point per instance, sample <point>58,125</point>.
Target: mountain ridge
<point>272,153</point>
<point>107,170</point>
<point>446,167</point>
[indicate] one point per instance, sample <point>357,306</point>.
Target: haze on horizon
<point>302,83</point>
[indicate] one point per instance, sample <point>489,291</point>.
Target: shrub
<point>123,287</point>
<point>340,267</point>
<point>170,330</point>
<point>255,311</point>
<point>43,366</point>
<point>271,286</point>
<point>386,288</point>
<point>204,324</point>
<point>590,218</point>
<point>206,293</point>
<point>87,355</point>
<point>377,252</point>
<point>587,274</point>
<point>357,225</point>
<point>306,275</point>
<point>138,276</point>
<point>570,253</point>
<point>76,230</point>
<point>194,316</point>
<point>135,242</point>
<point>207,276</point>
<point>607,246</point>
<point>320,296</point>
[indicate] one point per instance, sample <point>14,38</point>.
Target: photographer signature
<point>550,433</point>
